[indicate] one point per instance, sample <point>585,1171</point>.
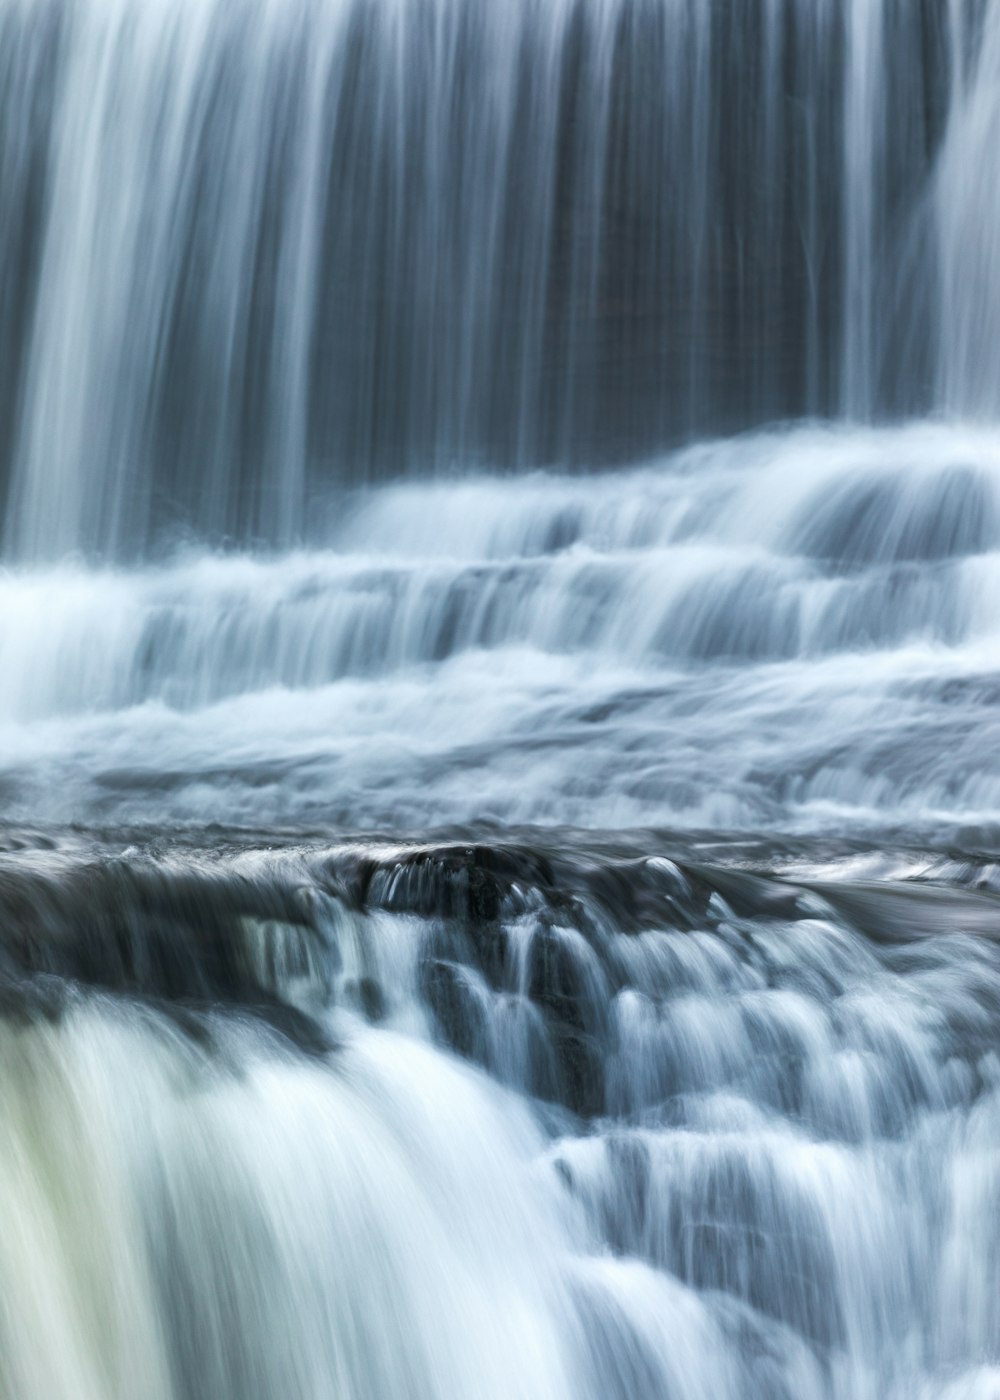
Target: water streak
<point>253,251</point>
<point>382,400</point>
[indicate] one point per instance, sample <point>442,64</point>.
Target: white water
<point>345,348</point>
<point>790,1193</point>
<point>253,251</point>
<point>796,631</point>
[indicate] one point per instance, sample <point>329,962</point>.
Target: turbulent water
<point>499,700</point>
<point>550,1117</point>
<point>798,632</point>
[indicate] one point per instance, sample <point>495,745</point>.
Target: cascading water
<point>251,250</point>
<point>499,679</point>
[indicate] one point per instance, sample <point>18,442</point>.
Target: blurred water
<point>250,251</point>
<point>795,632</point>
<point>499,678</point>
<point>707,1138</point>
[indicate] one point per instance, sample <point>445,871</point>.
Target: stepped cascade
<point>499,699</point>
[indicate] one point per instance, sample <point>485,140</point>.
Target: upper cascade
<point>253,249</point>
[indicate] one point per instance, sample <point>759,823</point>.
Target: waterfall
<point>792,631</point>
<point>252,250</point>
<point>706,1138</point>
<point>499,699</point>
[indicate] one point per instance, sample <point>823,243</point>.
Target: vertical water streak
<point>251,253</point>
<point>864,117</point>
<point>966,207</point>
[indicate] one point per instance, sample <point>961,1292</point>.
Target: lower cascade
<point>554,1117</point>
<point>499,700</point>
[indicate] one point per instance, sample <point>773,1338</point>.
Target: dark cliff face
<point>366,243</point>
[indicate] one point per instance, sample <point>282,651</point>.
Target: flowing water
<point>500,699</point>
